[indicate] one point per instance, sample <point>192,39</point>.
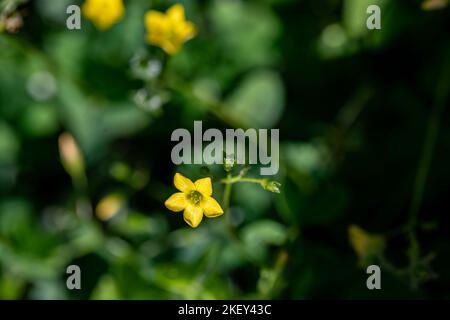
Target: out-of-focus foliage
<point>85,123</point>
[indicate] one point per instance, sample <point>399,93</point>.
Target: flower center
<point>195,197</point>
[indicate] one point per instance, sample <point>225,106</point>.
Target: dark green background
<point>354,107</point>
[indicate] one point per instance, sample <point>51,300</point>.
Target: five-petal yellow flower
<point>103,13</point>
<point>195,199</point>
<point>170,30</point>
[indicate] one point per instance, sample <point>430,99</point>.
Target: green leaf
<point>9,143</point>
<point>40,120</point>
<point>15,217</point>
<point>253,198</point>
<point>11,286</point>
<point>135,224</point>
<point>259,100</point>
<point>247,39</point>
<point>260,234</point>
<point>106,289</point>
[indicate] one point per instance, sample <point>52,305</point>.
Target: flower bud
<point>228,162</point>
<point>70,154</point>
<point>271,185</point>
<point>109,206</point>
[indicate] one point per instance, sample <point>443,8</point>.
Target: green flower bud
<point>271,185</point>
<point>228,162</point>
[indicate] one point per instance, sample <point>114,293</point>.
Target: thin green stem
<point>423,170</point>
<point>424,164</point>
<point>230,180</point>
<point>429,144</point>
<point>229,228</point>
<point>226,207</point>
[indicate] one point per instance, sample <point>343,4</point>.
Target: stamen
<point>195,197</point>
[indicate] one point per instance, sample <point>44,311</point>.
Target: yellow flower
<point>434,4</point>
<point>103,13</point>
<point>195,199</point>
<point>109,206</point>
<point>170,30</point>
<point>366,245</point>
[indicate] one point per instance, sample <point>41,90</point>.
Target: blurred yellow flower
<point>434,4</point>
<point>195,199</point>
<point>366,245</point>
<point>109,206</point>
<point>103,13</point>
<point>170,30</point>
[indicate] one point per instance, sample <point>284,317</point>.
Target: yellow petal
<point>193,215</point>
<point>365,244</point>
<point>170,47</point>
<point>211,207</point>
<point>186,31</point>
<point>176,13</point>
<point>204,186</point>
<point>170,30</point>
<point>155,20</point>
<point>358,239</point>
<point>176,202</point>
<point>103,13</point>
<point>182,183</point>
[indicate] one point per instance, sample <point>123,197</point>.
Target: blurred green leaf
<point>253,198</point>
<point>9,143</point>
<point>258,101</point>
<point>48,290</point>
<point>137,224</point>
<point>306,158</point>
<point>40,120</point>
<point>15,217</point>
<point>106,289</point>
<point>260,234</point>
<point>247,39</point>
<point>11,286</point>
<point>183,282</point>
